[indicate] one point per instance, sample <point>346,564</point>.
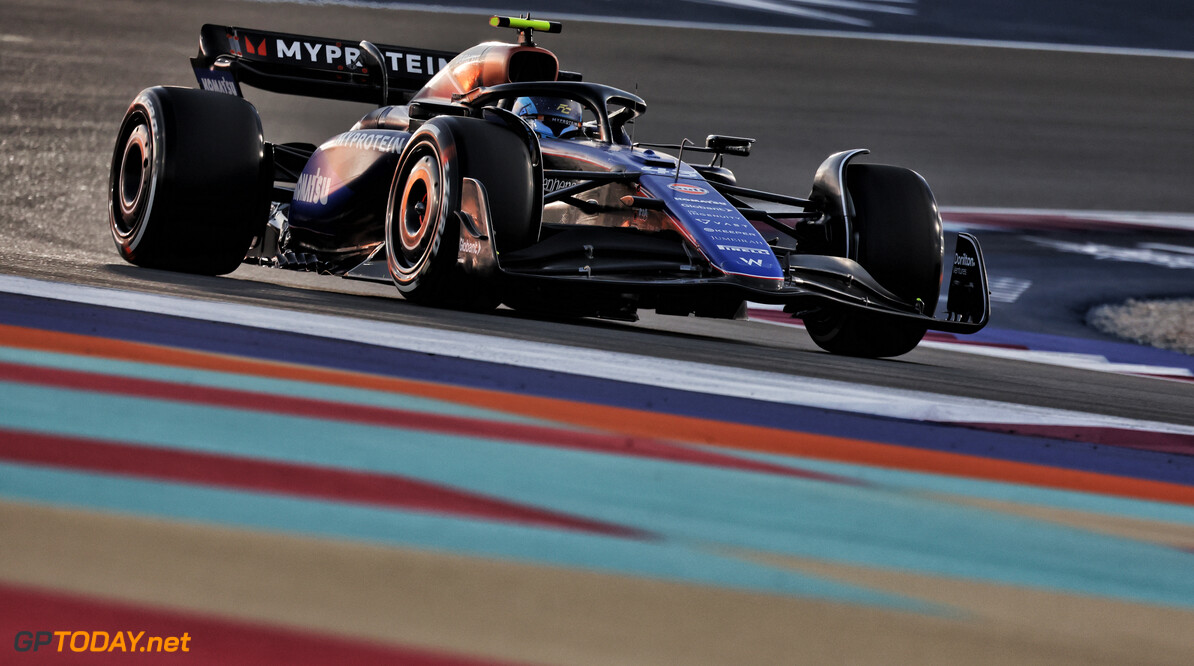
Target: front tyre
<point>898,240</point>
<point>422,233</point>
<point>189,184</point>
<point>422,227</point>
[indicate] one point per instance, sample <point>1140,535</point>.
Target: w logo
<point>751,262</point>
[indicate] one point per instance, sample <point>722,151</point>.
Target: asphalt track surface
<point>1145,25</point>
<point>987,127</point>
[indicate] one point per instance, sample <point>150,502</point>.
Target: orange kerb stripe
<point>621,420</point>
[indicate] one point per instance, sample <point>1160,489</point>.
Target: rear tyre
<point>189,185</point>
<point>422,228</point>
<point>898,239</point>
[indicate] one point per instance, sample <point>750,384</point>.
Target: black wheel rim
<point>418,211</point>
<point>130,191</point>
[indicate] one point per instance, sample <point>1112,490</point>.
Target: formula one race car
<point>492,176</point>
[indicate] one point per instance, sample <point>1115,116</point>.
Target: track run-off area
<point>563,483</point>
<point>290,467</point>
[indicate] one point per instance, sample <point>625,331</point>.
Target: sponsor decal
<point>552,184</point>
<point>964,260</point>
<point>318,54</point>
<point>382,142</point>
<point>752,234</point>
<point>313,188</point>
<point>708,203</point>
<point>343,56</point>
<point>415,63</point>
<point>469,246</point>
<point>220,82</point>
<point>735,222</point>
<point>708,211</point>
<point>746,250</point>
<point>731,239</point>
<point>687,188</point>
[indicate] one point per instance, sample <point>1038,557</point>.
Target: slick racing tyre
<point>188,187</point>
<point>899,242</point>
<point>422,227</point>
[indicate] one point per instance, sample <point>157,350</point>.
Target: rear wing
<point>339,69</point>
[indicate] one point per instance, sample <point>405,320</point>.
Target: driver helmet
<point>550,116</point>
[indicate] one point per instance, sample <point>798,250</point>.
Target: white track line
<point>1095,362</point>
<point>643,370</point>
<point>1064,359</point>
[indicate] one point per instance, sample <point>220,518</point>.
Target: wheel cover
<point>131,189</point>
<point>416,212</point>
<point>420,202</point>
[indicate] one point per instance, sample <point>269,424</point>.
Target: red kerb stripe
<point>283,478</point>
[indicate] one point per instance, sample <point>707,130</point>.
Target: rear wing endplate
<point>312,66</point>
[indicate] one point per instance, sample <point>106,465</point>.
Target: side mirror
<point>729,145</point>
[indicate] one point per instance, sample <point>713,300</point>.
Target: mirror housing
<point>729,145</point>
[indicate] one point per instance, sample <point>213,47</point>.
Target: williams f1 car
<point>492,176</point>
